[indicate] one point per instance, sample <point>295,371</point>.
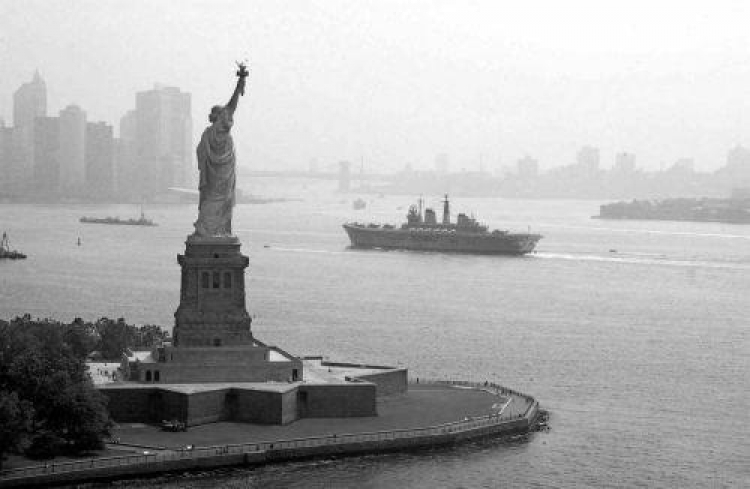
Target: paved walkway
<point>422,406</point>
<point>437,407</point>
<point>103,372</point>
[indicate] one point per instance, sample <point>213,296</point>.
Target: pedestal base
<point>212,298</point>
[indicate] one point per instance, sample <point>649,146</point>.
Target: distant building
<point>737,170</point>
<point>345,176</point>
<point>738,157</point>
<point>588,159</point>
<point>6,155</point>
<point>99,159</point>
<point>624,162</point>
<point>683,166</point>
<point>46,157</point>
<point>72,149</point>
<point>29,102</point>
<point>528,167</point>
<point>125,172</point>
<point>164,146</point>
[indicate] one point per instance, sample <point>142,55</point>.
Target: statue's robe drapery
<point>216,164</point>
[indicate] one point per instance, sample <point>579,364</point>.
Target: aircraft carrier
<point>423,233</point>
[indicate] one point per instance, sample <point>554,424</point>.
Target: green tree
<point>42,364</point>
<point>15,421</point>
<point>82,337</point>
<point>115,336</point>
<point>149,335</point>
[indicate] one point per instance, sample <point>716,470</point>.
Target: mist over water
<point>632,333</point>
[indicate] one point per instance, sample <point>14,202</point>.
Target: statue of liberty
<point>216,164</point>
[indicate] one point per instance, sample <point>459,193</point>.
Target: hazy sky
<point>401,81</point>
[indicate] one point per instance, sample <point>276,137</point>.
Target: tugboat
<point>6,252</point>
<point>142,221</point>
<point>424,233</point>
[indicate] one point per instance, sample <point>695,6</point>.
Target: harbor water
<point>633,334</point>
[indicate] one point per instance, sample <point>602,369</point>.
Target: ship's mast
<point>446,211</point>
<point>420,201</point>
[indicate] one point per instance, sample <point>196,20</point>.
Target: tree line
<point>48,402</point>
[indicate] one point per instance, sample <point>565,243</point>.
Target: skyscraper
<point>625,162</point>
<point>528,168</point>
<point>46,156</point>
<point>6,146</point>
<point>125,168</point>
<point>72,149</point>
<point>164,146</point>
<point>29,102</point>
<point>99,160</point>
<point>588,159</point>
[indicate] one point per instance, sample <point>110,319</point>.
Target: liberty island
<point>215,371</point>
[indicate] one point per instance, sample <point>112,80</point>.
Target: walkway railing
<point>497,419</point>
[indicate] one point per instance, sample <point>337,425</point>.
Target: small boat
<point>6,252</point>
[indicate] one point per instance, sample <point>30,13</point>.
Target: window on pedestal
<point>227,280</point>
<point>156,376</point>
<point>216,281</point>
<point>148,375</point>
<point>204,280</point>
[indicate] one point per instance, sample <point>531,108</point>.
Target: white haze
<point>392,82</point>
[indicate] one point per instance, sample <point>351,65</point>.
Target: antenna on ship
<point>446,211</point>
<point>420,201</point>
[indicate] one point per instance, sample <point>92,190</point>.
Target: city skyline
<point>442,162</point>
<point>395,84</point>
<point>46,157</point>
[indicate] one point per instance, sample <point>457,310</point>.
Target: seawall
<point>273,451</point>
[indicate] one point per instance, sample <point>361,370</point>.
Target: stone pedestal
<point>212,308</point>
<point>212,340</point>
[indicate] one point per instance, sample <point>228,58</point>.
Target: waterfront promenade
<point>430,414</point>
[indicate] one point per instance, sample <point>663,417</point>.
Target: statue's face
<point>215,112</point>
<point>220,115</point>
<point>225,119</point>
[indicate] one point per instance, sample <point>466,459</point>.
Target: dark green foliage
<point>48,403</point>
<point>116,336</point>
<point>43,377</point>
<point>147,336</point>
<point>44,445</point>
<point>15,420</point>
<point>82,337</point>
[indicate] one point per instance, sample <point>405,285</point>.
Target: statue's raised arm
<point>242,73</point>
